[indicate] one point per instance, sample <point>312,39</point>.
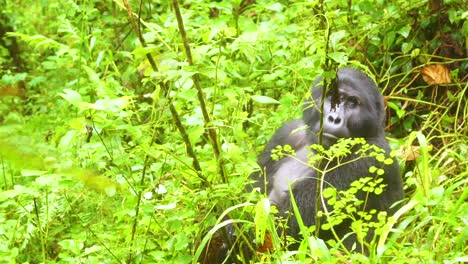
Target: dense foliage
<point>128,129</point>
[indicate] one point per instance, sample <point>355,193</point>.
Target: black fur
<point>358,114</point>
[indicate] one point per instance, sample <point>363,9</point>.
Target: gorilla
<point>355,110</point>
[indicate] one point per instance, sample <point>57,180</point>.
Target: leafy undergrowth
<point>102,133</point>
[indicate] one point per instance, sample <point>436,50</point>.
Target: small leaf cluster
<point>343,203</point>
<point>369,184</point>
<point>280,152</point>
<point>368,220</point>
<point>346,204</point>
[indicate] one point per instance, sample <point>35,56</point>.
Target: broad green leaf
<point>406,47</point>
<point>405,31</point>
<point>112,105</point>
<point>339,57</point>
<point>275,7</point>
<point>27,173</point>
<point>46,180</point>
<point>72,97</point>
<point>261,99</point>
<point>335,38</point>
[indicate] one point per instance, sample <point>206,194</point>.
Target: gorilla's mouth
<point>328,139</point>
<point>330,136</point>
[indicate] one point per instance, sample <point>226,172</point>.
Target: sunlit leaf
<point>261,99</point>
<point>165,206</point>
<point>27,173</point>
<point>72,97</point>
<point>339,57</point>
<point>336,37</point>
<point>405,31</point>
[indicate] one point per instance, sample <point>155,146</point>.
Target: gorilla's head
<point>359,111</point>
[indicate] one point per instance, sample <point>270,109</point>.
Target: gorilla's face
<point>357,113</point>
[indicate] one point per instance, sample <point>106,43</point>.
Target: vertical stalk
<point>196,81</point>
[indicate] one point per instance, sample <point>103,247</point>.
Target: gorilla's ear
<point>379,103</point>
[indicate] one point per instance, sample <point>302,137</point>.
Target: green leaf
<point>261,99</point>
<point>339,57</point>
<point>335,38</point>
<point>275,7</point>
<point>415,53</point>
<point>399,111</point>
<point>406,47</point>
<point>329,192</point>
<point>9,194</point>
<point>111,105</point>
<point>72,97</point>
<point>46,180</point>
<point>404,31</point>
<point>28,173</point>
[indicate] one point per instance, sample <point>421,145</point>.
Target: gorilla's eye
<point>352,102</point>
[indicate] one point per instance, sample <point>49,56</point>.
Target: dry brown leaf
<point>10,90</point>
<point>407,153</point>
<point>436,74</point>
<point>267,244</point>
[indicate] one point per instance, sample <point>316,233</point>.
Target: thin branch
<point>175,115</point>
<point>196,81</point>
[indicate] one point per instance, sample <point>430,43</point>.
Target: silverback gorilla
<point>358,113</point>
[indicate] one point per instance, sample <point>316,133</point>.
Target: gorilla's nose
<point>334,119</point>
